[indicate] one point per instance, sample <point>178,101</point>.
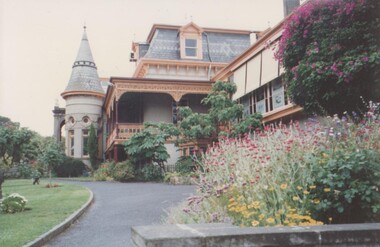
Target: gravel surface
<point>118,207</point>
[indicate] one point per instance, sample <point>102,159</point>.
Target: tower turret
<point>84,99</point>
<point>84,77</point>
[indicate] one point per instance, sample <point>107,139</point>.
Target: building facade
<point>173,68</point>
<point>258,76</point>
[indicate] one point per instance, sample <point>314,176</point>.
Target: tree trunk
<point>50,176</point>
<point>2,178</point>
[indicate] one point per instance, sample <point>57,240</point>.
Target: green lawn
<point>46,208</point>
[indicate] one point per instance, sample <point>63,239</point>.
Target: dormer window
<point>191,41</point>
<point>191,47</point>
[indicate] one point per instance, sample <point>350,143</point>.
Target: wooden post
<point>117,119</point>
<point>115,158</point>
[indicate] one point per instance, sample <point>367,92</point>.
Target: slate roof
<point>217,47</point>
<point>84,75</point>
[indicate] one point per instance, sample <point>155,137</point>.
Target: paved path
<point>116,208</point>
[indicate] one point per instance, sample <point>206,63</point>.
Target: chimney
<point>289,6</point>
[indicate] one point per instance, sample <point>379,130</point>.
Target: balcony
<point>123,132</point>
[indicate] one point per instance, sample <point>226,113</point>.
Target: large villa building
<point>175,66</point>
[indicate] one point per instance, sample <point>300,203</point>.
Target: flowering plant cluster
<point>13,203</point>
<point>331,54</point>
<point>309,174</point>
<point>348,170</point>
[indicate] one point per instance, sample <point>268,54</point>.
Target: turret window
<point>85,143</point>
<point>85,119</point>
<point>71,120</point>
<point>71,143</point>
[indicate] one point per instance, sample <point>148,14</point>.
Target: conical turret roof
<point>84,76</point>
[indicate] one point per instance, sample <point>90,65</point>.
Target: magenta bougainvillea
<point>330,50</point>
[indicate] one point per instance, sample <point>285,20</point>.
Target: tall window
<point>261,100</point>
<point>85,143</point>
<point>265,98</point>
<point>191,47</point>
<point>71,143</point>
<point>278,95</point>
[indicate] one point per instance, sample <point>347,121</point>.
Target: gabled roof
<point>218,45</point>
<point>84,76</point>
<point>205,29</point>
<point>191,27</point>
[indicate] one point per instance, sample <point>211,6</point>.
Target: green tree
<point>52,155</point>
<point>93,148</point>
<point>148,146</point>
<point>330,52</point>
<point>224,115</point>
<point>14,145</point>
<point>195,125</point>
<point>13,142</point>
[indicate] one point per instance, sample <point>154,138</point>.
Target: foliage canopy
<point>330,52</point>
<point>148,146</point>
<point>222,112</point>
<point>93,148</point>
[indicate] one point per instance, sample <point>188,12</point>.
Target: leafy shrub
<point>70,167</point>
<point>123,171</point>
<point>170,175</point>
<point>151,173</point>
<point>185,165</point>
<point>348,173</point>
<point>13,203</point>
<point>25,170</point>
<point>104,172</point>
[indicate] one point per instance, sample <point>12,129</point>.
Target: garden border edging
<point>56,230</point>
<point>221,234</point>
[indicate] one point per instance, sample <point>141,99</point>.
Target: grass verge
<point>46,208</point>
<point>79,179</point>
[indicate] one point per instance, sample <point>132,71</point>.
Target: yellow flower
<point>270,189</point>
<point>292,209</point>
<point>255,204</point>
<point>261,216</point>
<point>326,190</point>
<point>270,220</point>
<point>246,214</point>
<point>306,192</point>
<point>295,198</point>
<point>284,186</point>
<point>281,211</point>
<point>255,223</point>
<point>299,188</point>
<point>316,201</point>
<point>232,199</point>
<point>325,155</point>
<point>312,187</point>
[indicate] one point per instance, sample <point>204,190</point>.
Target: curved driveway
<point>116,208</point>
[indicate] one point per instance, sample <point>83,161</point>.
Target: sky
<point>39,41</point>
